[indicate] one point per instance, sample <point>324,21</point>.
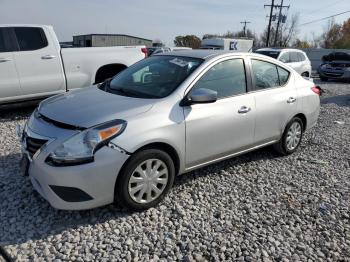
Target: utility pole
<point>270,19</point>
<point>245,27</point>
<point>279,20</point>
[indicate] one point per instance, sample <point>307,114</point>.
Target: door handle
<point>244,110</point>
<point>48,56</point>
<point>291,100</point>
<point>3,60</point>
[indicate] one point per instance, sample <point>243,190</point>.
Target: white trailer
<point>242,45</point>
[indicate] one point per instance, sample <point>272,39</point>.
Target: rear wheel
<point>291,138</point>
<point>324,79</point>
<point>145,180</point>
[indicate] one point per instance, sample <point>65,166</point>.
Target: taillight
<point>144,50</point>
<point>317,90</point>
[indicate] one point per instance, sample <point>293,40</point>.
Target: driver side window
<point>227,78</point>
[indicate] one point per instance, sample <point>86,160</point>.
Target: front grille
<point>33,145</point>
<point>344,65</point>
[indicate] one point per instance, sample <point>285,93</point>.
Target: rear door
<point>218,129</point>
<point>9,81</point>
<point>275,99</point>
<point>37,61</point>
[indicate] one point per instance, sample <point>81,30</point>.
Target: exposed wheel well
<point>166,148</point>
<point>303,119</point>
<point>306,74</point>
<point>108,71</point>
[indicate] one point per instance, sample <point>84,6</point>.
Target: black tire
<point>281,146</point>
<point>324,79</point>
<point>122,195</point>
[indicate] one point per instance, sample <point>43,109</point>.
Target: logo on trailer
<point>233,45</point>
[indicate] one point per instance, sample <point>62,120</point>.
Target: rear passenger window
<point>30,38</point>
<point>283,75</point>
<point>265,74</point>
<point>227,78</point>
<point>294,57</point>
<point>301,57</point>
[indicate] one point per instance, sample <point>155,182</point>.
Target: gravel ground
<point>254,207</point>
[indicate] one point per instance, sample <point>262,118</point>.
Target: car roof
<point>200,53</point>
<point>279,49</point>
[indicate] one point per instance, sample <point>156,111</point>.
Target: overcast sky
<point>162,19</point>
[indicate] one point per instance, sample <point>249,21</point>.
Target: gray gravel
<point>254,207</point>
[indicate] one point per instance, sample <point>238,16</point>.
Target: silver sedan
<point>126,139</point>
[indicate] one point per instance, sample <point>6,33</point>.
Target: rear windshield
<point>273,54</point>
<point>154,77</point>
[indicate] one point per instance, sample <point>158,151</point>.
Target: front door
<point>218,129</point>
<point>9,82</point>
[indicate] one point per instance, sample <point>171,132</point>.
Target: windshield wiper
<point>105,84</point>
<point>133,93</point>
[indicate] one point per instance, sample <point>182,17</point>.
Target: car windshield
<point>153,77</point>
<point>271,53</point>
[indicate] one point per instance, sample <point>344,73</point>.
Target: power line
<point>325,18</point>
<point>245,26</point>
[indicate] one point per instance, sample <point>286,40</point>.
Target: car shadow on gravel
<point>16,111</point>
<point>265,153</point>
<point>340,100</point>
<point>25,215</point>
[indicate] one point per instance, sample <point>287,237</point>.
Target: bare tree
<point>286,35</point>
<point>289,31</point>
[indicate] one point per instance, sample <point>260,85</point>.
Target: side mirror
<point>200,96</point>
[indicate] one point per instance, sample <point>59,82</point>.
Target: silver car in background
<point>294,58</point>
<point>126,139</point>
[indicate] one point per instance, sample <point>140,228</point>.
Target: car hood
<point>91,106</point>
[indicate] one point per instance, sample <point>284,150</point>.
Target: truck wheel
<point>145,180</point>
<point>108,71</point>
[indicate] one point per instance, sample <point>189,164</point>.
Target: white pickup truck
<point>33,66</point>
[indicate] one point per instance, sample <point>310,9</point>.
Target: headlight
<point>81,147</point>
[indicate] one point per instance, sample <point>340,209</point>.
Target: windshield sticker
<point>179,62</point>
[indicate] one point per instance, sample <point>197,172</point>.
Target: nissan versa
<point>126,139</point>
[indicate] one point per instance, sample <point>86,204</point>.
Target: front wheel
<point>145,180</point>
<point>291,137</point>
